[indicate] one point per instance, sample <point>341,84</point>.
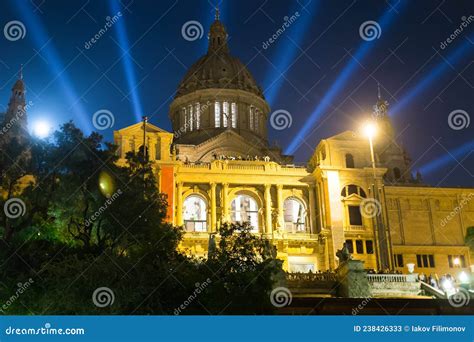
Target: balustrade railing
<point>313,277</point>
<point>391,278</point>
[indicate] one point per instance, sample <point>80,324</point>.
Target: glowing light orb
<point>41,129</point>
<point>106,184</point>
<point>370,129</point>
<point>463,277</point>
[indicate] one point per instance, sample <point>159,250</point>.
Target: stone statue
<point>343,254</point>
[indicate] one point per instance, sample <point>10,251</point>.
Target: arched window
<point>234,114</point>
<point>245,209</point>
<point>353,189</point>
<point>252,118</point>
<point>225,113</point>
<point>396,173</point>
<point>217,114</point>
<point>257,120</point>
<point>195,214</point>
<point>197,115</point>
<point>295,215</point>
<point>185,117</point>
<point>350,161</point>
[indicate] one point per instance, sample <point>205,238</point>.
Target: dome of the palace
<point>221,71</point>
<point>218,68</point>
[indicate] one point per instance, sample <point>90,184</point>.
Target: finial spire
<point>217,12</point>
<point>20,75</point>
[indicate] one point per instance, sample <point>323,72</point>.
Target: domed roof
<point>218,68</point>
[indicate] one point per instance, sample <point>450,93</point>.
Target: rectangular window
<point>234,115</point>
<point>456,261</point>
<point>350,246</point>
<point>431,261</point>
<point>359,247</point>
<point>425,260</point>
<point>355,217</point>
<point>217,114</point>
<point>225,113</point>
<point>398,259</point>
<point>157,152</point>
<point>418,261</point>
<point>369,246</point>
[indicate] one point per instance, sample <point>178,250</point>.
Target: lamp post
<point>383,257</point>
<point>145,152</point>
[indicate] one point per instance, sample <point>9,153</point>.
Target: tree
<point>243,270</point>
<point>14,167</point>
<point>91,224</point>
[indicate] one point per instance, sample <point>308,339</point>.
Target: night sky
<point>320,69</point>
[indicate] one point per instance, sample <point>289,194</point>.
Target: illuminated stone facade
<point>217,167</point>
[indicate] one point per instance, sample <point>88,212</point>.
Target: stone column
<point>312,210</point>
<point>124,147</point>
<point>268,209</point>
<point>225,202</point>
<point>213,227</point>
<point>179,204</point>
<point>281,219</point>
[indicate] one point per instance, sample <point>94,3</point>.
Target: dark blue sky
<point>320,70</point>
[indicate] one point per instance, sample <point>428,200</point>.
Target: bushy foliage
<point>91,223</point>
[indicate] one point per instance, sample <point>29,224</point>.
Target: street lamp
<point>370,131</point>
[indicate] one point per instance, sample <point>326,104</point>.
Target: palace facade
<point>217,166</point>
